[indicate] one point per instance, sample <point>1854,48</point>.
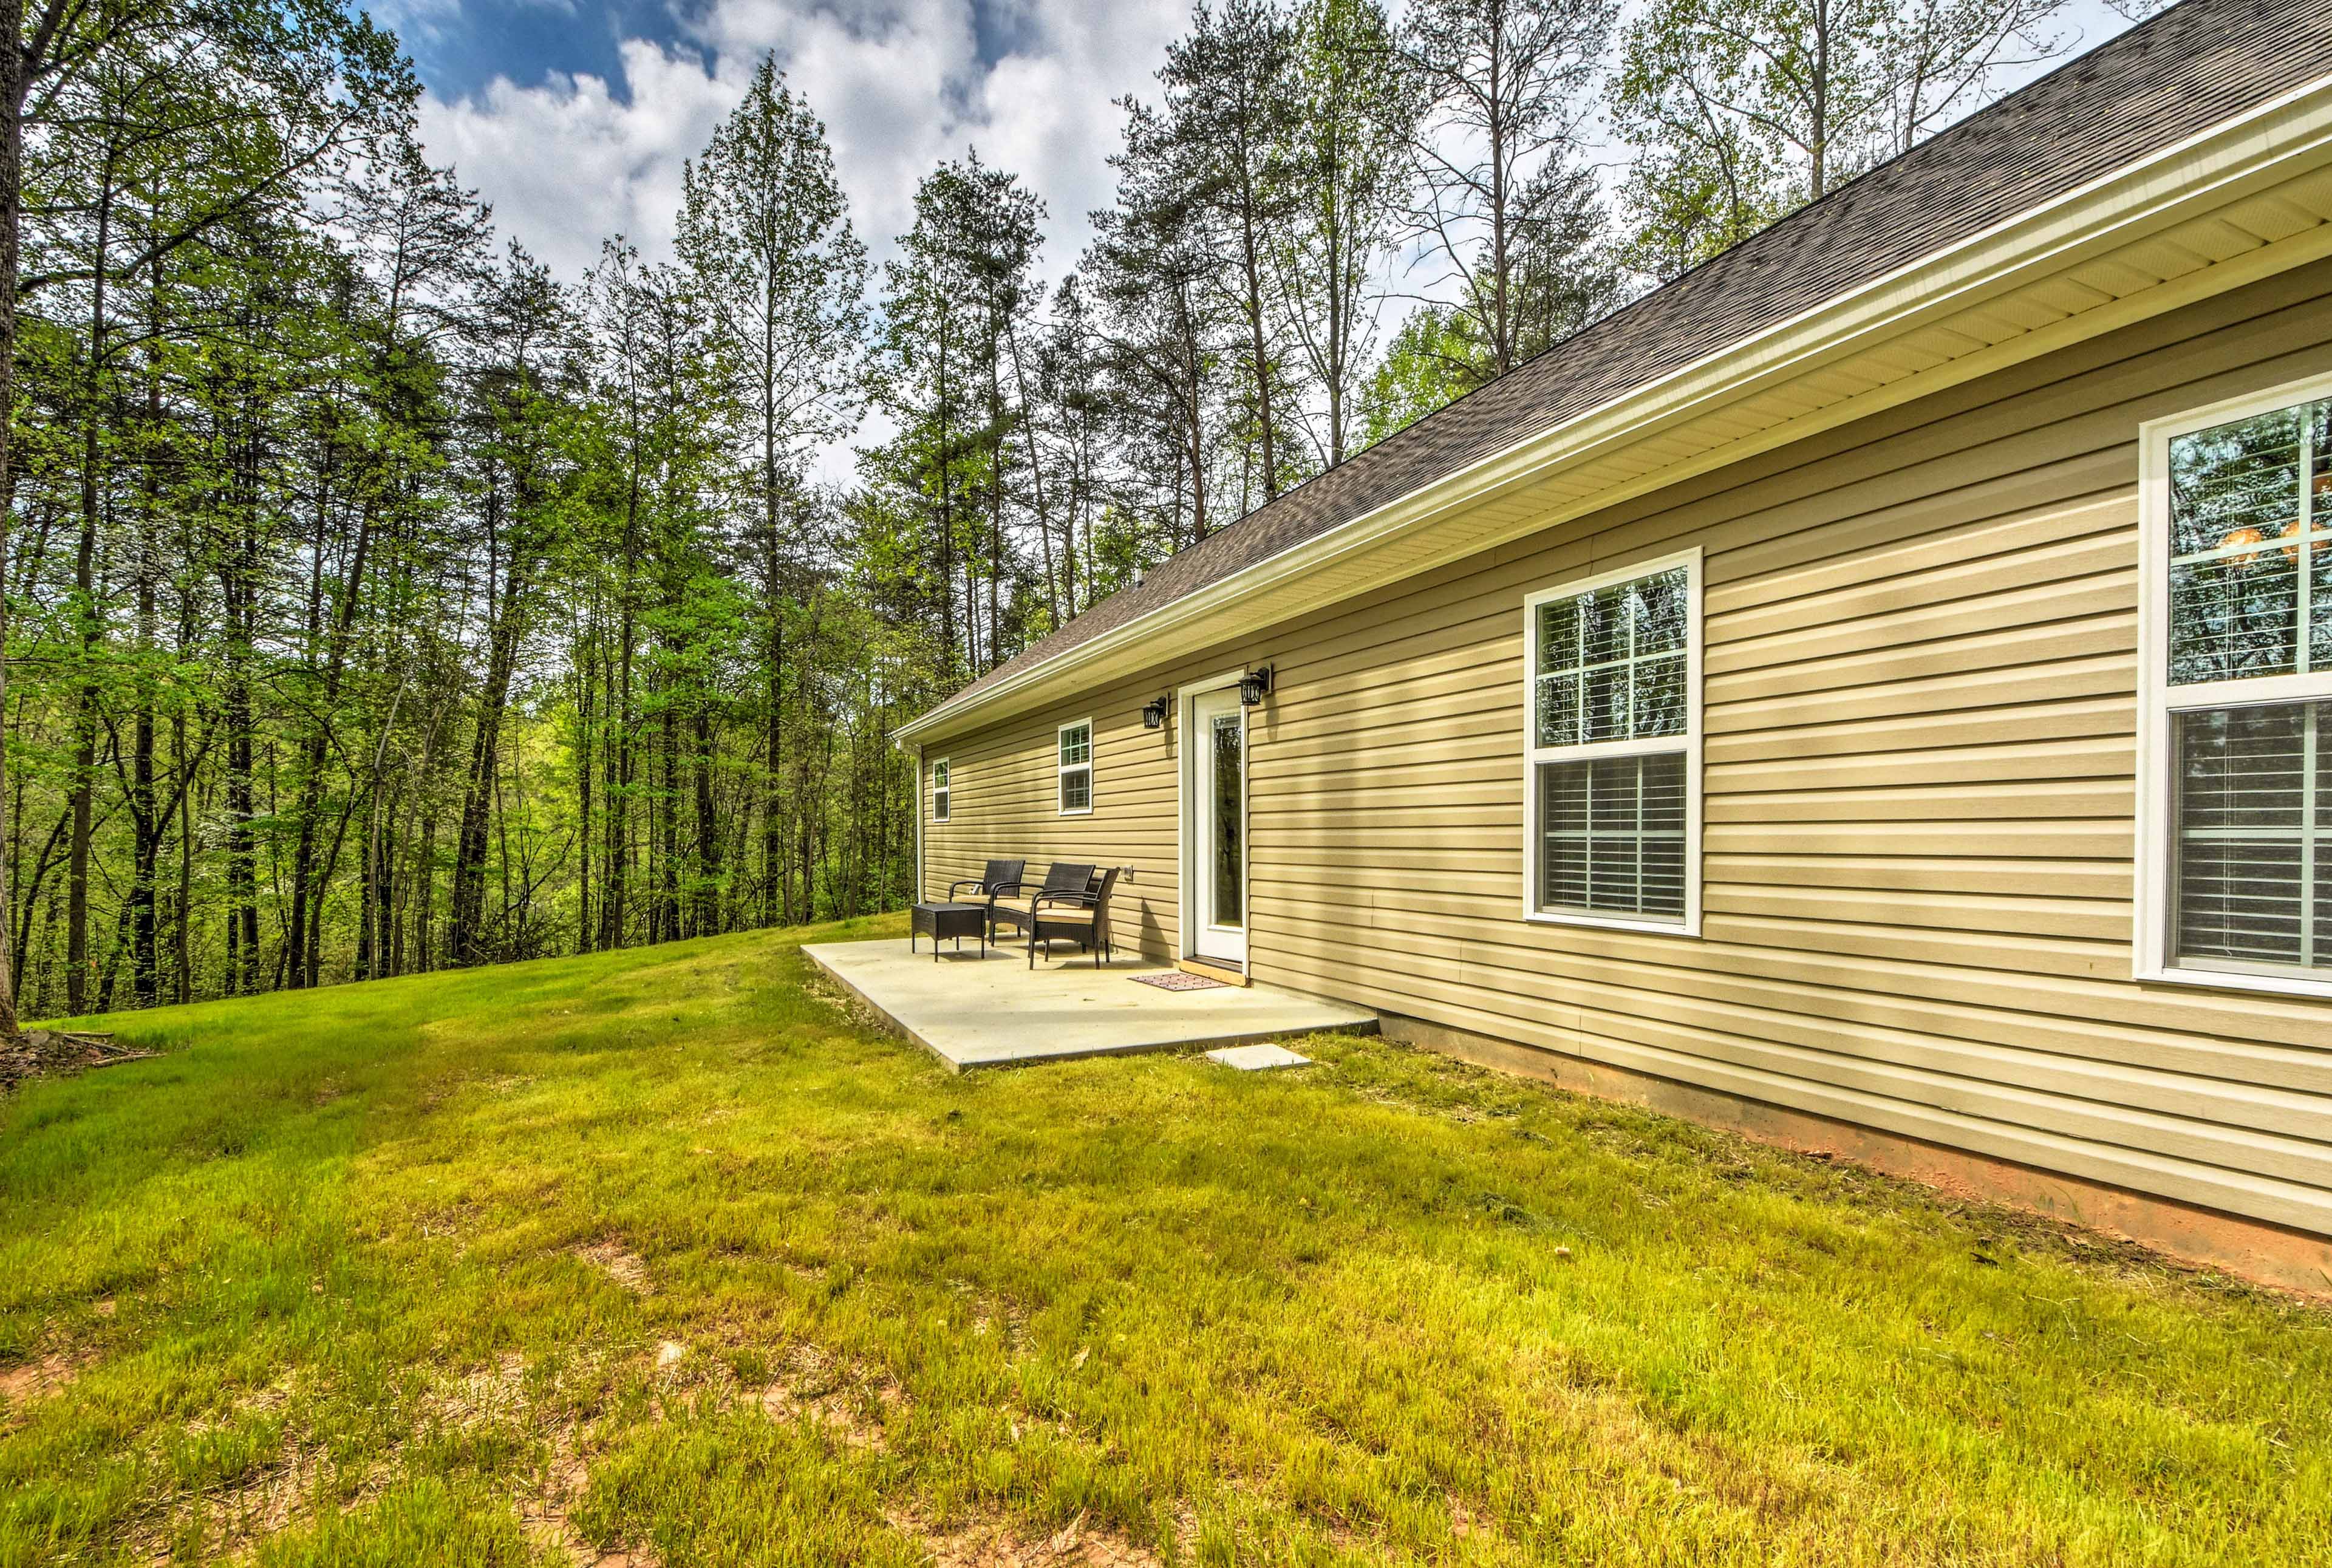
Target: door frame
<point>1188,850</point>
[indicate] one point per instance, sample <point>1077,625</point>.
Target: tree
<point>1508,81</point>
<point>1346,165</point>
<point>252,96</point>
<point>956,304</point>
<point>765,229</point>
<point>519,469</point>
<point>1431,362</point>
<point>1739,110</point>
<point>1160,320</point>
<point>1226,136</point>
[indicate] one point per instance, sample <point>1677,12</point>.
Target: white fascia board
<point>2275,141</point>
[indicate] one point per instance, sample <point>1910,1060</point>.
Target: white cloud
<point>900,84</point>
<point>569,162</point>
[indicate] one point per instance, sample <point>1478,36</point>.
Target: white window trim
<point>2156,788</point>
<point>1534,754</point>
<point>1061,770</point>
<point>942,797</point>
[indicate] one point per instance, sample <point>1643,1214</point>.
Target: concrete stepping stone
<point>1256,1058</point>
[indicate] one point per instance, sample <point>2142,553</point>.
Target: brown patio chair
<point>1013,908</point>
<point>1079,917</point>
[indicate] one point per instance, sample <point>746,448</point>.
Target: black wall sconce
<point>1153,713</point>
<point>1255,686</point>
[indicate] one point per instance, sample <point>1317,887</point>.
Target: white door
<point>1216,777</point>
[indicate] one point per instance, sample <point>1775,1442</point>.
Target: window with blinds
<point>940,790</point>
<point>2254,862</point>
<point>1612,748</point>
<point>2247,650</point>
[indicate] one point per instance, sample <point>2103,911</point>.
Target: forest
<point>377,601</point>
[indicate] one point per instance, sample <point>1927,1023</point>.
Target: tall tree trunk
<point>707,914</point>
<point>14,70</point>
<point>622,763</point>
<point>85,611</point>
<point>466,914</point>
<point>1251,264</point>
<point>667,919</point>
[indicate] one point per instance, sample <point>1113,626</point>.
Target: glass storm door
<point>1218,742</point>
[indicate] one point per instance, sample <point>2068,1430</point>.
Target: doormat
<point>1177,979</point>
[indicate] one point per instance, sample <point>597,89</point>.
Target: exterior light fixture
<point>1153,713</point>
<point>1255,686</point>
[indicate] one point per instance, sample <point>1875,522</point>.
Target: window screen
<point>1611,835</point>
<point>2254,870</point>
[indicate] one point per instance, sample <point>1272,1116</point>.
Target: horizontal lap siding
<point>1919,719</point>
<point>1004,782</point>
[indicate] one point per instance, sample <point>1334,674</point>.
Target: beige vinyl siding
<point>1919,719</point>
<point>1005,803</point>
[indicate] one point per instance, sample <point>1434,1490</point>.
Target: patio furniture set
<point>1071,903</point>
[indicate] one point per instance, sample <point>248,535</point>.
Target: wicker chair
<point>1016,906</point>
<point>999,878</point>
<point>1079,917</point>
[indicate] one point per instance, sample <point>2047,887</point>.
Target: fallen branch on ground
<point>41,1051</point>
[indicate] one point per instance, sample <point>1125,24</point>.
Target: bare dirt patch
<point>490,1395</point>
<point>1080,1544</point>
<point>618,1263</point>
<point>546,1515</point>
<point>38,1379</point>
<point>851,1404</point>
<point>228,1518</point>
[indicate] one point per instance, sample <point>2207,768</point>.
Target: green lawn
<point>662,1251</point>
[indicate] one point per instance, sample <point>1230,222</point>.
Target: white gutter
<point>2267,144</point>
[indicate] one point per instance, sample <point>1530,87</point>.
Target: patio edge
<point>892,1024</point>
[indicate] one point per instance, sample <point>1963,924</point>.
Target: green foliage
<point>1432,360</point>
<point>1503,210</point>
<point>1739,112</point>
<point>1345,168</point>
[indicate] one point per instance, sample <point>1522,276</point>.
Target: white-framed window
<point>1074,746</point>
<point>1611,749</point>
<point>2234,808</point>
<point>940,790</point>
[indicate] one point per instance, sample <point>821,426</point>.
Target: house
<point>1875,691</point>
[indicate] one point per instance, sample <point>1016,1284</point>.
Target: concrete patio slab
<point>994,1011</point>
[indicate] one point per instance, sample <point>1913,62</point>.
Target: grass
<point>663,1250</point>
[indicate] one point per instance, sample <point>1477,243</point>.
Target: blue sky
<point>461,47</point>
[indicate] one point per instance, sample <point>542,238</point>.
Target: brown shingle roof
<point>2193,67</point>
